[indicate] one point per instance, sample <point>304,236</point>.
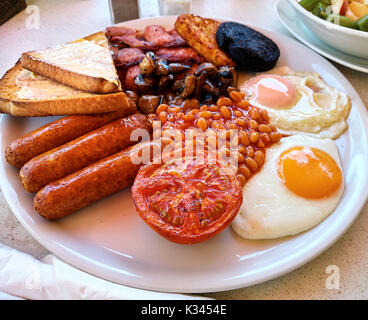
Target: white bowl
<point>351,41</point>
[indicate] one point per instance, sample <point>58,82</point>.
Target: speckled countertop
<point>62,21</point>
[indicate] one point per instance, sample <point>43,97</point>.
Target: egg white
<point>270,210</point>
<point>319,110</point>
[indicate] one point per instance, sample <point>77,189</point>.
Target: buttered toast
<point>25,93</point>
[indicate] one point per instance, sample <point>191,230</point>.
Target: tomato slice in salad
<point>187,201</point>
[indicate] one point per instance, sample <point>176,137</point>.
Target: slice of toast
<point>200,33</point>
<point>82,64</point>
<point>22,90</point>
<point>23,93</point>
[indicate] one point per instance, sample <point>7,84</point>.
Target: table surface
<point>67,20</point>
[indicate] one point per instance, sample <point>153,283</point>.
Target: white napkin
<point>23,276</point>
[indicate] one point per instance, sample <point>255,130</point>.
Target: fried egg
<point>299,102</point>
<point>299,185</point>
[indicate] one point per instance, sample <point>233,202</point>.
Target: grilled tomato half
<point>188,200</point>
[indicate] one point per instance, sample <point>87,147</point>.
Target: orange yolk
<point>309,172</point>
<point>272,91</point>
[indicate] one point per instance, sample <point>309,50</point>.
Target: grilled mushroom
<point>149,103</point>
<point>165,81</point>
<point>178,67</point>
<point>162,67</point>
<point>190,82</point>
<point>210,88</point>
<point>148,64</point>
<point>145,84</point>
<point>200,82</point>
<point>207,67</point>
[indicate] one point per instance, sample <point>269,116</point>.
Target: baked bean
<point>240,122</point>
<point>203,108</point>
<point>193,111</point>
<point>254,114</point>
<point>174,109</point>
<point>264,128</point>
<point>260,144</point>
<point>244,170</point>
<point>240,158</point>
<point>225,112</point>
<point>259,156</point>
<point>180,115</point>
<point>242,150</point>
<point>236,96</point>
<point>244,104</point>
<point>205,114</point>
<point>265,138</point>
<point>202,124</point>
<point>254,137</point>
<point>250,151</point>
<point>161,107</point>
<point>253,124</point>
<point>231,125</point>
<point>264,115</point>
<point>188,117</point>
<point>216,124</point>
<point>195,103</point>
<point>216,116</point>
<point>213,108</point>
<point>251,163</point>
<point>162,117</point>
<point>238,113</point>
<point>223,101</point>
<point>244,140</point>
<point>241,178</point>
<point>275,136</point>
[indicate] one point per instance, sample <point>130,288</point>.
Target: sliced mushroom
<point>224,85</point>
<point>148,64</point>
<point>200,82</point>
<point>210,88</point>
<point>178,67</point>
<point>226,72</point>
<point>149,103</point>
<point>165,81</point>
<point>190,82</point>
<point>178,85</point>
<point>162,67</point>
<point>207,67</point>
<point>145,84</point>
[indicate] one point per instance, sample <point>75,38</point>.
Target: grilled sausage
<point>56,133</point>
<point>105,177</point>
<point>81,152</point>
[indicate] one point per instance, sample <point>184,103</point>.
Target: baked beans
<point>230,122</point>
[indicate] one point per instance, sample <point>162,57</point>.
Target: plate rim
<point>281,267</point>
<point>314,47</point>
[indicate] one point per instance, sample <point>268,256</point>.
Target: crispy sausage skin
<point>81,152</point>
<point>105,177</point>
<point>56,133</point>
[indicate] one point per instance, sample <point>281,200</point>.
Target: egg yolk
<point>272,91</point>
<point>309,172</point>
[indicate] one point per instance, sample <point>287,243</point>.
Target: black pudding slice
<point>250,49</point>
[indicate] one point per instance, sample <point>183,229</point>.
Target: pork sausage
<point>81,152</point>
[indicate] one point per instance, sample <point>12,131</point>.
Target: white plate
<point>109,240</point>
<point>296,27</point>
